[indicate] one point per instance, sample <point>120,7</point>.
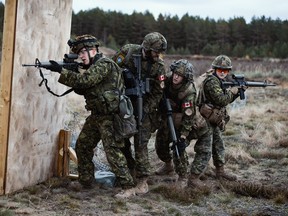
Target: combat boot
<point>194,181</point>
<point>126,193</point>
<point>221,174</point>
<point>182,182</point>
<point>166,169</point>
<point>142,186</point>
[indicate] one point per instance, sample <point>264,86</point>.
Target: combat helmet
<point>183,68</point>
<point>83,41</point>
<point>154,42</point>
<point>222,62</point>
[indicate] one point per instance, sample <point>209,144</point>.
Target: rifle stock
<point>239,81</point>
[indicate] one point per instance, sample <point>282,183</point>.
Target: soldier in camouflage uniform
<point>181,92</point>
<point>213,98</point>
<point>152,71</point>
<point>100,84</point>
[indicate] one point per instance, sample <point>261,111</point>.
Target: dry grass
<point>179,195</point>
<point>256,189</point>
<point>256,151</point>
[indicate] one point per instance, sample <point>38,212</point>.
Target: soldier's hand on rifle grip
<point>181,145</point>
<point>55,67</point>
<point>244,87</point>
<point>234,90</point>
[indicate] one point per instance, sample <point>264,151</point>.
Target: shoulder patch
<point>188,112</point>
<point>120,59</point>
<point>161,77</point>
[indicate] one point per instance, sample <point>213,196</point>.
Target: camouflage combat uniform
<point>211,142</point>
<point>100,86</point>
<point>180,99</point>
<point>155,71</point>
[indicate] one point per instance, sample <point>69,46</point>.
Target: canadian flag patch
<point>187,104</point>
<point>161,77</point>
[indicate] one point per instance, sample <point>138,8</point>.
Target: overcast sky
<point>215,9</point>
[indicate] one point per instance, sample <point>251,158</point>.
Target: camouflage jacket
<point>100,85</point>
<point>156,71</point>
<point>212,92</point>
<point>183,102</point>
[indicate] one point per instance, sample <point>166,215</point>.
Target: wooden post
<point>65,154</point>
<point>10,16</point>
<point>63,162</point>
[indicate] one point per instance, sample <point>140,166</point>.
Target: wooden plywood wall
<point>35,117</point>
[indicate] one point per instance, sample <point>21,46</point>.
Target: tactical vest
<point>103,98</point>
<point>177,96</point>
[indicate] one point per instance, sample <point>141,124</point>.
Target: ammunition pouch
<point>199,122</point>
<point>124,122</point>
<point>216,116</point>
<point>199,128</point>
<point>124,127</point>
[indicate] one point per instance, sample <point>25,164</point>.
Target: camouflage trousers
<point>140,163</point>
<point>163,140</point>
<point>208,144</point>
<point>98,128</point>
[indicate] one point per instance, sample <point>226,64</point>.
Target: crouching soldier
<point>181,93</point>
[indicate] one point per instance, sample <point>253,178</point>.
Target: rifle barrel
<point>258,84</point>
<point>28,65</point>
<point>249,84</point>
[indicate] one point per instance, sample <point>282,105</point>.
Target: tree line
<point>188,35</point>
<point>262,37</point>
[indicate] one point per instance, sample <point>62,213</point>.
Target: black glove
<point>54,66</point>
<point>181,145</point>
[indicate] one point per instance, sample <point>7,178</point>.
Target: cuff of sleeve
<point>63,76</point>
<point>185,133</point>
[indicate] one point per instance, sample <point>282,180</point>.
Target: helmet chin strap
<point>148,56</point>
<point>177,86</point>
<point>144,54</point>
<point>89,56</point>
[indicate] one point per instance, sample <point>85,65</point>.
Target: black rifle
<point>139,88</point>
<point>239,81</point>
<point>67,63</point>
<point>171,125</point>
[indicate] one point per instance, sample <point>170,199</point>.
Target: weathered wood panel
<point>36,117</point>
<point>5,85</point>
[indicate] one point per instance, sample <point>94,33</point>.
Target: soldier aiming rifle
<point>240,83</point>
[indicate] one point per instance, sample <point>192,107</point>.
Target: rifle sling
<point>45,81</point>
